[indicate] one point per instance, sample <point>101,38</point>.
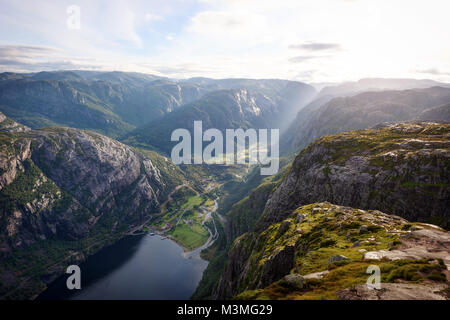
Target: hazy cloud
<point>341,39</point>
<point>316,46</point>
<point>234,25</point>
<point>23,51</point>
<point>22,57</point>
<point>434,71</point>
<point>299,59</point>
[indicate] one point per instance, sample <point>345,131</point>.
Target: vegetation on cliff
<point>315,233</point>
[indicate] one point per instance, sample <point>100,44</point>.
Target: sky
<point>304,40</point>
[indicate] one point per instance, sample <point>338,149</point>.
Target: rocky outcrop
<point>401,169</point>
<point>7,124</point>
<point>419,243</point>
<point>318,252</point>
<point>395,291</point>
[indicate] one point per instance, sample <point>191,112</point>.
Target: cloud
<point>120,20</point>
<point>25,51</point>
<point>20,65</point>
<point>316,46</point>
<point>23,57</point>
<point>434,71</point>
<point>299,59</point>
<point>178,70</point>
<point>236,25</point>
<point>342,40</point>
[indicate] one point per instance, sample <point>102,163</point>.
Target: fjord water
<point>136,267</point>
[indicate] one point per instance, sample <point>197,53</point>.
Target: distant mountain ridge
<point>364,110</point>
<point>265,108</point>
<point>114,103</point>
<point>112,107</point>
<point>377,84</point>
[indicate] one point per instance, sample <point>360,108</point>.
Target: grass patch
<point>190,236</point>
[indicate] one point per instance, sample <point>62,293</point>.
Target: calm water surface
<point>136,267</point>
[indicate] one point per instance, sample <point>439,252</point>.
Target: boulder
<point>284,227</point>
<point>294,281</point>
<point>300,218</point>
<point>336,258</point>
<point>363,229</point>
<point>356,244</point>
<point>316,275</point>
<point>394,291</point>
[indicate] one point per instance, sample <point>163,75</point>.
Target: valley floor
<point>186,218</point>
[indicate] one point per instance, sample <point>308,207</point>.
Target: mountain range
<point>362,111</point>
<point>363,179</point>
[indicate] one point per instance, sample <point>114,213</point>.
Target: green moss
<point>324,233</point>
<point>350,274</point>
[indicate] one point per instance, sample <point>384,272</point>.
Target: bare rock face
<point>394,291</point>
<point>77,178</point>
<point>235,274</point>
<point>96,169</point>
<point>12,158</point>
<point>277,265</point>
<point>316,275</point>
<point>7,124</point>
<point>430,243</point>
<point>62,185</point>
<point>401,169</point>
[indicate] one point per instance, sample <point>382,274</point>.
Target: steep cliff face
<point>97,170</point>
<point>322,251</point>
<point>65,193</point>
<point>244,215</point>
<point>401,169</point>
